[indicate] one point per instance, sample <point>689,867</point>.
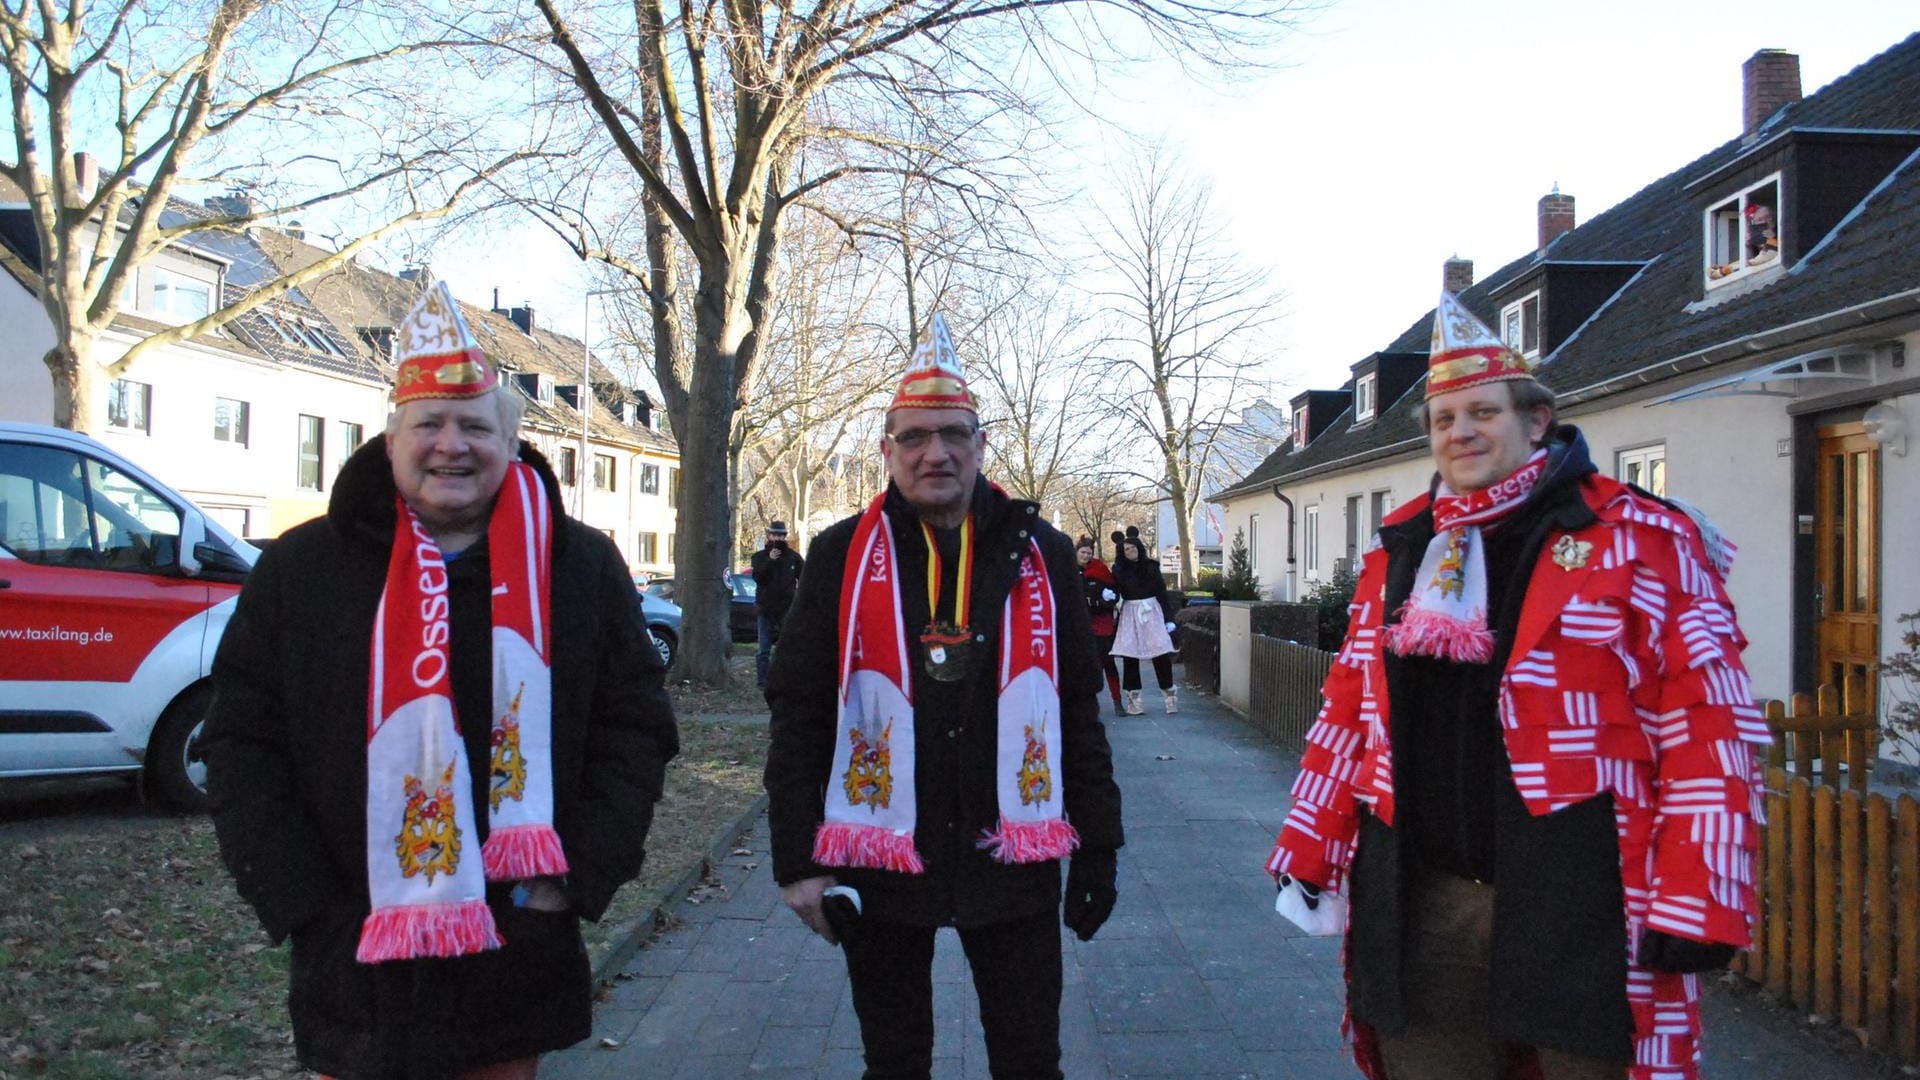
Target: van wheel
<point>175,776</point>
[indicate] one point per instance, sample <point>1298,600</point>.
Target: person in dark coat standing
<point>936,742</point>
<point>1101,602</point>
<point>1533,776</point>
<point>437,737</point>
<point>1143,625</point>
<point>776,574</point>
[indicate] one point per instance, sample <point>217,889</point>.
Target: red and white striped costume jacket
<point>1625,676</point>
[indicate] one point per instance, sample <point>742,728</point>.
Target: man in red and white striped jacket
<point>1532,777</point>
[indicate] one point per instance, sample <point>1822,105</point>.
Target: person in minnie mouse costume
<point>1532,780</point>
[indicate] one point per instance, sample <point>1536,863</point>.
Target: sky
<point>1394,134</point>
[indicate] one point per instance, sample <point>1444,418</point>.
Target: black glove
<point>1090,890</point>
<point>1682,956</point>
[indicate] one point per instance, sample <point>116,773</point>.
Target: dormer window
<point>1520,325</point>
<point>178,298</point>
<point>1363,395</point>
<point>1743,233</point>
<point>1300,427</point>
<point>543,388</point>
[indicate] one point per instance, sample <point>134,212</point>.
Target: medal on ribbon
<point>945,642</point>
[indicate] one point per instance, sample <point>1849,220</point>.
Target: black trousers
<point>1162,671</point>
<point>1016,973</point>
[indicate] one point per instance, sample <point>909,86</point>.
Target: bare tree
<point>288,108</point>
<point>711,113</point>
<point>1035,362</point>
<point>1187,316</point>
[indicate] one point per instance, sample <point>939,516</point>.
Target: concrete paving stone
<point>737,1018</point>
<point>710,1067</point>
<point>1103,953</point>
<point>790,1048</point>
<point>657,958</point>
<point>1136,914</point>
<point>772,953</point>
<point>1217,953</point>
<point>723,945</point>
<point>618,1018</point>
<point>811,994</point>
<point>1303,1064</point>
<point>1276,1014</point>
<point>1084,1067</point>
<point>1166,997</point>
<point>1136,1053</point>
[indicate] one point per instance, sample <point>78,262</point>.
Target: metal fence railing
<point>1283,691</point>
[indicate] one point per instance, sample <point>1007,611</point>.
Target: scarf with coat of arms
<point>1446,617</point>
<point>428,895</point>
<point>871,800</point>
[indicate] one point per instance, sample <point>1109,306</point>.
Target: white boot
<point>1133,703</point>
<point>1172,695</point>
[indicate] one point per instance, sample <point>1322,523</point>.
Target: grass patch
<point>125,952</point>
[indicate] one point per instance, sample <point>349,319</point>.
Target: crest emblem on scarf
<point>869,778</point>
<point>1036,776</point>
<point>1451,577</point>
<point>1571,554</point>
<point>509,776</point>
<point>429,841</point>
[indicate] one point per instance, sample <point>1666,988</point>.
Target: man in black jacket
<point>936,742</point>
<point>776,574</point>
<point>437,935</point>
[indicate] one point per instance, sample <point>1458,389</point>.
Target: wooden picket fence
<point>1283,688</point>
<point>1838,876</point>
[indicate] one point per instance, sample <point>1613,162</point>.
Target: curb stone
<point>644,925</point>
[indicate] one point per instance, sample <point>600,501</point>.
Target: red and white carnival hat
<point>1465,353</point>
<point>934,379</point>
<point>438,355</point>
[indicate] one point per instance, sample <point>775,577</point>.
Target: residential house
<point>618,467</point>
<point>251,421</point>
<point>1229,450</point>
<point>1739,334</point>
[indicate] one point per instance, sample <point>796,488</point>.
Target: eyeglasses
<point>956,437</point>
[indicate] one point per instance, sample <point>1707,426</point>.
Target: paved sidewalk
<point>1194,976</point>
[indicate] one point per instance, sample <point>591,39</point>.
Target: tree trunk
<point>706,518</point>
<point>76,387</point>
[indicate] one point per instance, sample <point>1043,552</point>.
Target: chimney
<point>1458,275</point>
<point>296,230</point>
<point>523,318</point>
<point>1556,216</point>
<point>86,176</point>
<point>1772,82</point>
<point>419,275</point>
<point>235,203</point>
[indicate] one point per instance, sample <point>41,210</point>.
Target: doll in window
<point>1763,244</point>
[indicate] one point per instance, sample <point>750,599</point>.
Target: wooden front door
<point>1846,524</point>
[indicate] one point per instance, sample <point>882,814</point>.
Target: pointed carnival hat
<point>438,354</point>
<point>1465,353</point>
<point>934,379</point>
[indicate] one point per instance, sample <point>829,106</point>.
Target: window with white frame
<point>1310,539</point>
<point>603,473</point>
<point>569,466</point>
<point>1645,466</point>
<point>673,488</point>
<point>1363,398</point>
<point>648,551</point>
<point>179,298</point>
<point>1743,232</point>
<point>1381,502</point>
<point>1356,529</point>
<point>1253,544</point>
<point>311,450</point>
<point>649,479</point>
<point>230,421</point>
<point>1520,325</point>
<point>1300,428</point>
<point>129,406</point>
<point>351,436</point>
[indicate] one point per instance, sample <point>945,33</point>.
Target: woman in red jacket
<point>1101,600</point>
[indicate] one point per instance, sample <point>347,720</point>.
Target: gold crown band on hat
<point>1465,352</point>
<point>934,379</point>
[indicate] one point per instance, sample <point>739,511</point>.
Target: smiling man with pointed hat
<point>1532,779</point>
<point>936,742</point>
<point>437,736</point>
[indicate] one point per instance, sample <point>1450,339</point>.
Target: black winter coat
<point>1141,580</point>
<point>774,581</point>
<point>286,754</point>
<point>955,725</point>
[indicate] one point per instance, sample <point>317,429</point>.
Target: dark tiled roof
<point>1868,257</point>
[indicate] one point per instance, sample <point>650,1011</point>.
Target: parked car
<point>742,620</point>
<point>114,591</point>
<point>663,620</point>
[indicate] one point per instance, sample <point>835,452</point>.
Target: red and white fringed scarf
<point>870,810</point>
<point>428,900</point>
<point>1446,617</point>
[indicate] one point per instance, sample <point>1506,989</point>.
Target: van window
<point>63,509</point>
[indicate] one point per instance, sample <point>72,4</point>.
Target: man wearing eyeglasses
<point>936,742</point>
